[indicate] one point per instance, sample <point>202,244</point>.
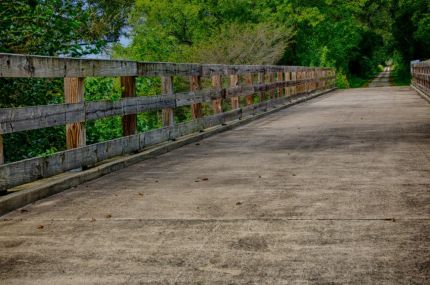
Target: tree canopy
<point>356,37</point>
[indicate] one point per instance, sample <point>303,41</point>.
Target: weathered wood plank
<point>25,171</point>
<point>127,106</point>
<point>294,78</point>
<point>129,122</point>
<point>217,85</point>
<point>271,79</point>
<point>280,78</point>
<point>196,109</point>
<point>261,78</point>
<point>14,65</point>
<point>74,93</point>
<point>37,117</point>
<point>249,82</point>
<point>207,70</point>
<point>234,82</point>
<point>287,79</point>
<point>167,90</point>
<point>1,150</point>
<point>421,77</point>
<point>198,96</point>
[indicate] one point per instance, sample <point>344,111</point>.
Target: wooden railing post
<point>271,80</point>
<point>314,79</point>
<point>287,79</point>
<point>234,82</point>
<point>280,79</point>
<point>305,85</point>
<point>1,150</point>
<point>317,79</point>
<point>332,81</point>
<point>306,77</point>
<point>167,90</point>
<point>74,93</point>
<point>195,84</point>
<point>324,76</point>
<point>261,77</point>
<point>249,82</point>
<point>312,82</point>
<point>217,84</point>
<point>294,79</point>
<point>129,122</point>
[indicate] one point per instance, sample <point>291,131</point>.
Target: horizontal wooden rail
<point>421,77</point>
<point>37,117</point>
<point>291,83</point>
<point>14,65</point>
<point>17,173</point>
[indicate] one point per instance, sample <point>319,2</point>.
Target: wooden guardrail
<point>421,76</point>
<point>290,81</point>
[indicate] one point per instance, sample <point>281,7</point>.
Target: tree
<point>53,27</point>
<point>243,44</point>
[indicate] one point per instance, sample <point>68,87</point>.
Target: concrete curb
<point>421,93</point>
<point>31,192</point>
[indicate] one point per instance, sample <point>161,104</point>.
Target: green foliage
<point>401,75</point>
<point>358,38</point>
<point>60,27</point>
<point>358,82</point>
<point>28,92</point>
<point>262,43</point>
<point>355,36</point>
<point>342,80</point>
<point>412,29</point>
<point>52,27</point>
<point>102,89</point>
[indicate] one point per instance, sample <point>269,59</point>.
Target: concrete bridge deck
<point>333,191</point>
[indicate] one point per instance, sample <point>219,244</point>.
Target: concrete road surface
<point>333,191</point>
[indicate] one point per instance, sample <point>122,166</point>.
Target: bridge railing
<point>421,76</point>
<point>282,83</point>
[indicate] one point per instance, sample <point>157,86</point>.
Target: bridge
<point>294,182</point>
